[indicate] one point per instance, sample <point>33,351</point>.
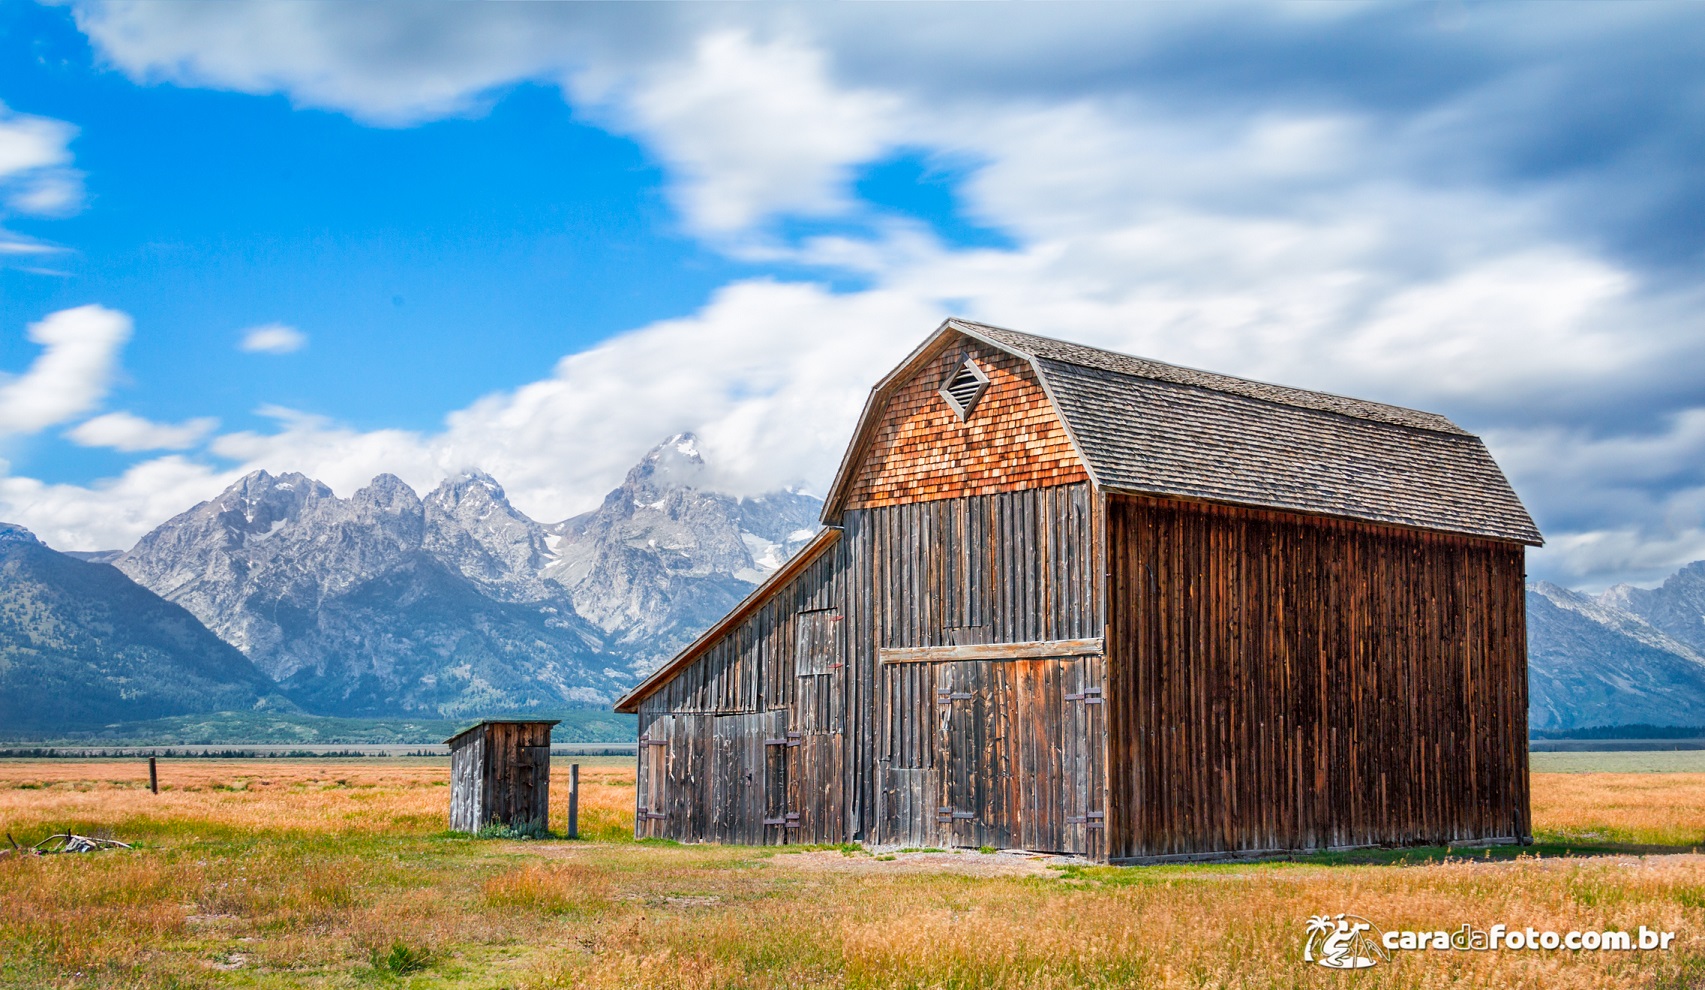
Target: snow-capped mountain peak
<point>457,601</point>
<point>673,464</point>
<point>663,555</point>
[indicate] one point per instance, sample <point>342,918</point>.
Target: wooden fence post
<point>574,801</point>
<point>153,776</point>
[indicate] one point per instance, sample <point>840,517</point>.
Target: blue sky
<point>459,256</point>
<point>535,239</point>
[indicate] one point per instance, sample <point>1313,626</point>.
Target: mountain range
<point>280,595</point>
<point>81,643</point>
<point>456,603</point>
<point>1629,656</point>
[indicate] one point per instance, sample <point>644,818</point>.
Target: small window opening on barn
<point>817,647</point>
<point>965,387</point>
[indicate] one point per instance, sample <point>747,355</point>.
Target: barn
<point>1074,601</point>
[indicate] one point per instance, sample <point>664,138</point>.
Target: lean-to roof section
<point>778,579</point>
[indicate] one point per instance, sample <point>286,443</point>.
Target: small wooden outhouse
<point>500,771</point>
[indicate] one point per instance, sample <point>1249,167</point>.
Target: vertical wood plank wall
<point>853,746</point>
<point>1009,568</point>
<point>500,772</point>
<point>467,783</point>
<point>1279,682</point>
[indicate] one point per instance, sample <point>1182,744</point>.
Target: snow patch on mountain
<point>458,602</point>
<point>663,557</point>
<point>1593,662</point>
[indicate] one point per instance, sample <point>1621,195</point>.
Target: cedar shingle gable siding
<point>1124,610</point>
<point>922,451</point>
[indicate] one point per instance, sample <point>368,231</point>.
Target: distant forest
<point>1637,731</point>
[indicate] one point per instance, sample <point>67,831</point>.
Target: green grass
<point>844,848</point>
<point>1629,761</point>
<point>522,830</point>
<point>401,959</point>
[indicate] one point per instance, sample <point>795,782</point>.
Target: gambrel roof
<point>1151,428</point>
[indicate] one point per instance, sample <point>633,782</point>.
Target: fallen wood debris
<point>62,842</point>
<point>68,842</point>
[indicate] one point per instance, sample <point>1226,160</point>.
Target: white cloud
<point>28,143</point>
<point>79,355</point>
<point>12,244</point>
<point>131,433</point>
<point>36,176</point>
<point>273,338</point>
<point>1628,503</point>
<point>343,458</point>
<point>752,129</point>
<point>393,66</point>
<point>1535,317</point>
<point>1351,242</point>
<point>1596,559</point>
<point>110,514</point>
<point>49,195</point>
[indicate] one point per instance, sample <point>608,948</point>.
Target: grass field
<point>1626,761</point>
<point>338,874</point>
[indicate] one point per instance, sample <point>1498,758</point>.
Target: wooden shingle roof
<point>1152,428</point>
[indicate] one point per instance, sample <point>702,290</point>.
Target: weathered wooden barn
<point>500,772</point>
<point>1075,601</point>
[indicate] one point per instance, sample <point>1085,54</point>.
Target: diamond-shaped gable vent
<point>965,387</point>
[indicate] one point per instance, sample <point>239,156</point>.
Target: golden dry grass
<point>1656,808</point>
<point>328,874</point>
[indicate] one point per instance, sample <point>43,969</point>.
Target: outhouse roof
<point>1148,427</point>
<point>482,723</point>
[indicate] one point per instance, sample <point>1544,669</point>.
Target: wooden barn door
<point>738,776</point>
<point>971,774</point>
<point>653,780</point>
<point>715,778</point>
<point>1020,748</point>
<point>1082,756</point>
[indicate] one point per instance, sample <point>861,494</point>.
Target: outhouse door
<point>529,784</point>
<point>1020,743</point>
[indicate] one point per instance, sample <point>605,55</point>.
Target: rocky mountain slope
<point>1676,608</point>
<point>381,603</point>
<point>81,644</point>
<point>664,557</point>
<point>457,603</point>
<point>1593,662</point>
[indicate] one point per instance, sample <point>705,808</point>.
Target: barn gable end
<point>921,450</point>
